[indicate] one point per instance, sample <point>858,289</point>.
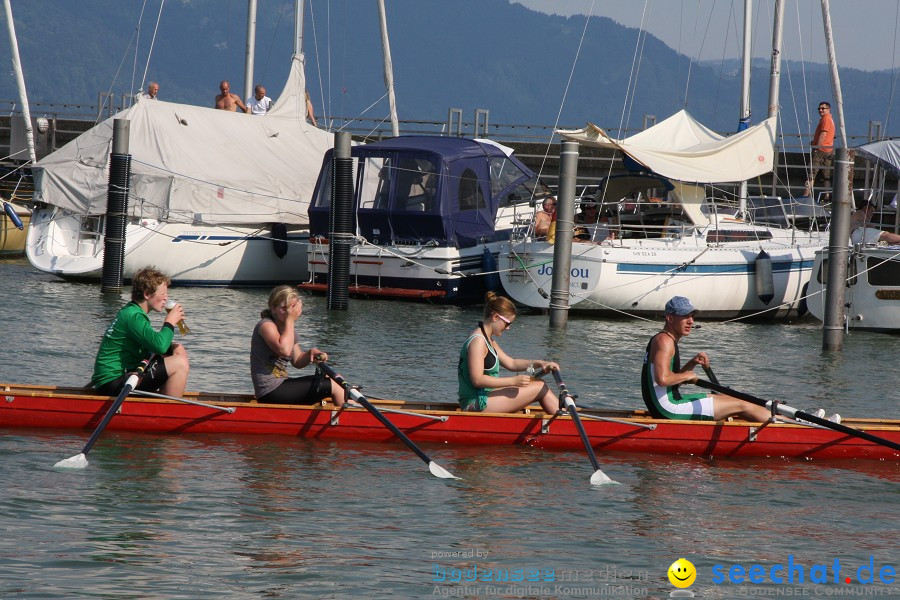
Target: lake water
<point>229,516</point>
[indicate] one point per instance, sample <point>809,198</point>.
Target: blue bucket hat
<point>679,305</point>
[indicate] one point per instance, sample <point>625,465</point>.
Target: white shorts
<point>865,235</point>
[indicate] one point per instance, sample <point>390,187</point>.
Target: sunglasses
<point>823,108</point>
<point>505,320</point>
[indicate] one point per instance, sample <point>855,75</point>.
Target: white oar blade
<point>601,478</point>
<point>79,461</point>
<point>439,471</point>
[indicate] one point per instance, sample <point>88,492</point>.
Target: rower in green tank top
<point>481,388</point>
<point>662,375</point>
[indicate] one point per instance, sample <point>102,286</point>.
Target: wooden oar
<point>79,461</point>
<point>599,477</point>
<point>793,413</point>
<point>436,469</point>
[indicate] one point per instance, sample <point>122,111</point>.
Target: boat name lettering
<point>582,272</point>
<point>643,253</point>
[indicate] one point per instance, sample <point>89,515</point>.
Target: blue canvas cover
<point>425,189</point>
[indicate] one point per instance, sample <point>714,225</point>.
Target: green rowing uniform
<point>668,402</point>
<point>127,341</point>
<point>470,397</point>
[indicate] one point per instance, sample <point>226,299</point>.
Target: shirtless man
<point>861,233</point>
<point>543,219</point>
<point>228,101</point>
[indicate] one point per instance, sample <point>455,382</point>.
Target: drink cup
<point>182,327</point>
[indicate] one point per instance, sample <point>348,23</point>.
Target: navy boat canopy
<point>442,191</point>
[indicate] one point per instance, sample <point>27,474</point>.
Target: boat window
<point>375,184</point>
<point>471,196</point>
<point>504,173</point>
<point>733,235</point>
<point>324,197</point>
<point>416,185</point>
<point>883,272</point>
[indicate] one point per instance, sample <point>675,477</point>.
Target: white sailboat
<point>740,260</point>
<point>216,198</point>
<point>728,265</point>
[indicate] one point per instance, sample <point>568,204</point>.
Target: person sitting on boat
<point>130,338</point>
<point>228,101</point>
<point>480,386</point>
<point>662,373</point>
<point>543,219</point>
<point>274,346</point>
<point>861,234</point>
<point>591,225</point>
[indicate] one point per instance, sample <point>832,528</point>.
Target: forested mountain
<point>468,54</point>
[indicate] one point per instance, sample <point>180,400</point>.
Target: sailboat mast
<point>744,122</point>
<point>745,68</point>
<point>388,69</point>
<point>775,70</point>
<point>251,47</point>
<point>20,80</point>
<point>835,78</point>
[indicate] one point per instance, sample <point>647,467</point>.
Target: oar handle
<point>788,411</point>
<point>711,375</point>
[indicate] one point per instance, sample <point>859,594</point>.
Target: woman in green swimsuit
<point>480,386</point>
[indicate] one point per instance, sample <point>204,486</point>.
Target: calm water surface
<point>248,517</point>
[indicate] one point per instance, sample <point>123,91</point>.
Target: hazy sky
<point>865,31</point>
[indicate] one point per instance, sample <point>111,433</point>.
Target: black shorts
<point>299,390</point>
<point>154,378</point>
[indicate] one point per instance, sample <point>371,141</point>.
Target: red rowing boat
<point>30,406</point>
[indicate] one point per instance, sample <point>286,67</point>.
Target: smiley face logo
<point>682,573</point>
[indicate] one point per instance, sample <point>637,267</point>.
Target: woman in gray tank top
<point>274,347</point>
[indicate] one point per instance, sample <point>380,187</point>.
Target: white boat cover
<point>683,149</point>
<point>197,164</point>
<point>886,152</point>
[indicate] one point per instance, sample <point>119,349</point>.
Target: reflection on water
<point>206,516</point>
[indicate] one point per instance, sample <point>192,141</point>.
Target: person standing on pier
<point>662,373</point>
<point>480,386</point>
<point>822,149</point>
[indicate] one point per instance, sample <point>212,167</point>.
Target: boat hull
<point>12,239</point>
<point>433,273</point>
<point>872,297</point>
<point>26,406</point>
<point>638,277</point>
<point>71,246</point>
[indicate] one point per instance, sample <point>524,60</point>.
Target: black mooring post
<point>340,224</point>
<point>116,209</point>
